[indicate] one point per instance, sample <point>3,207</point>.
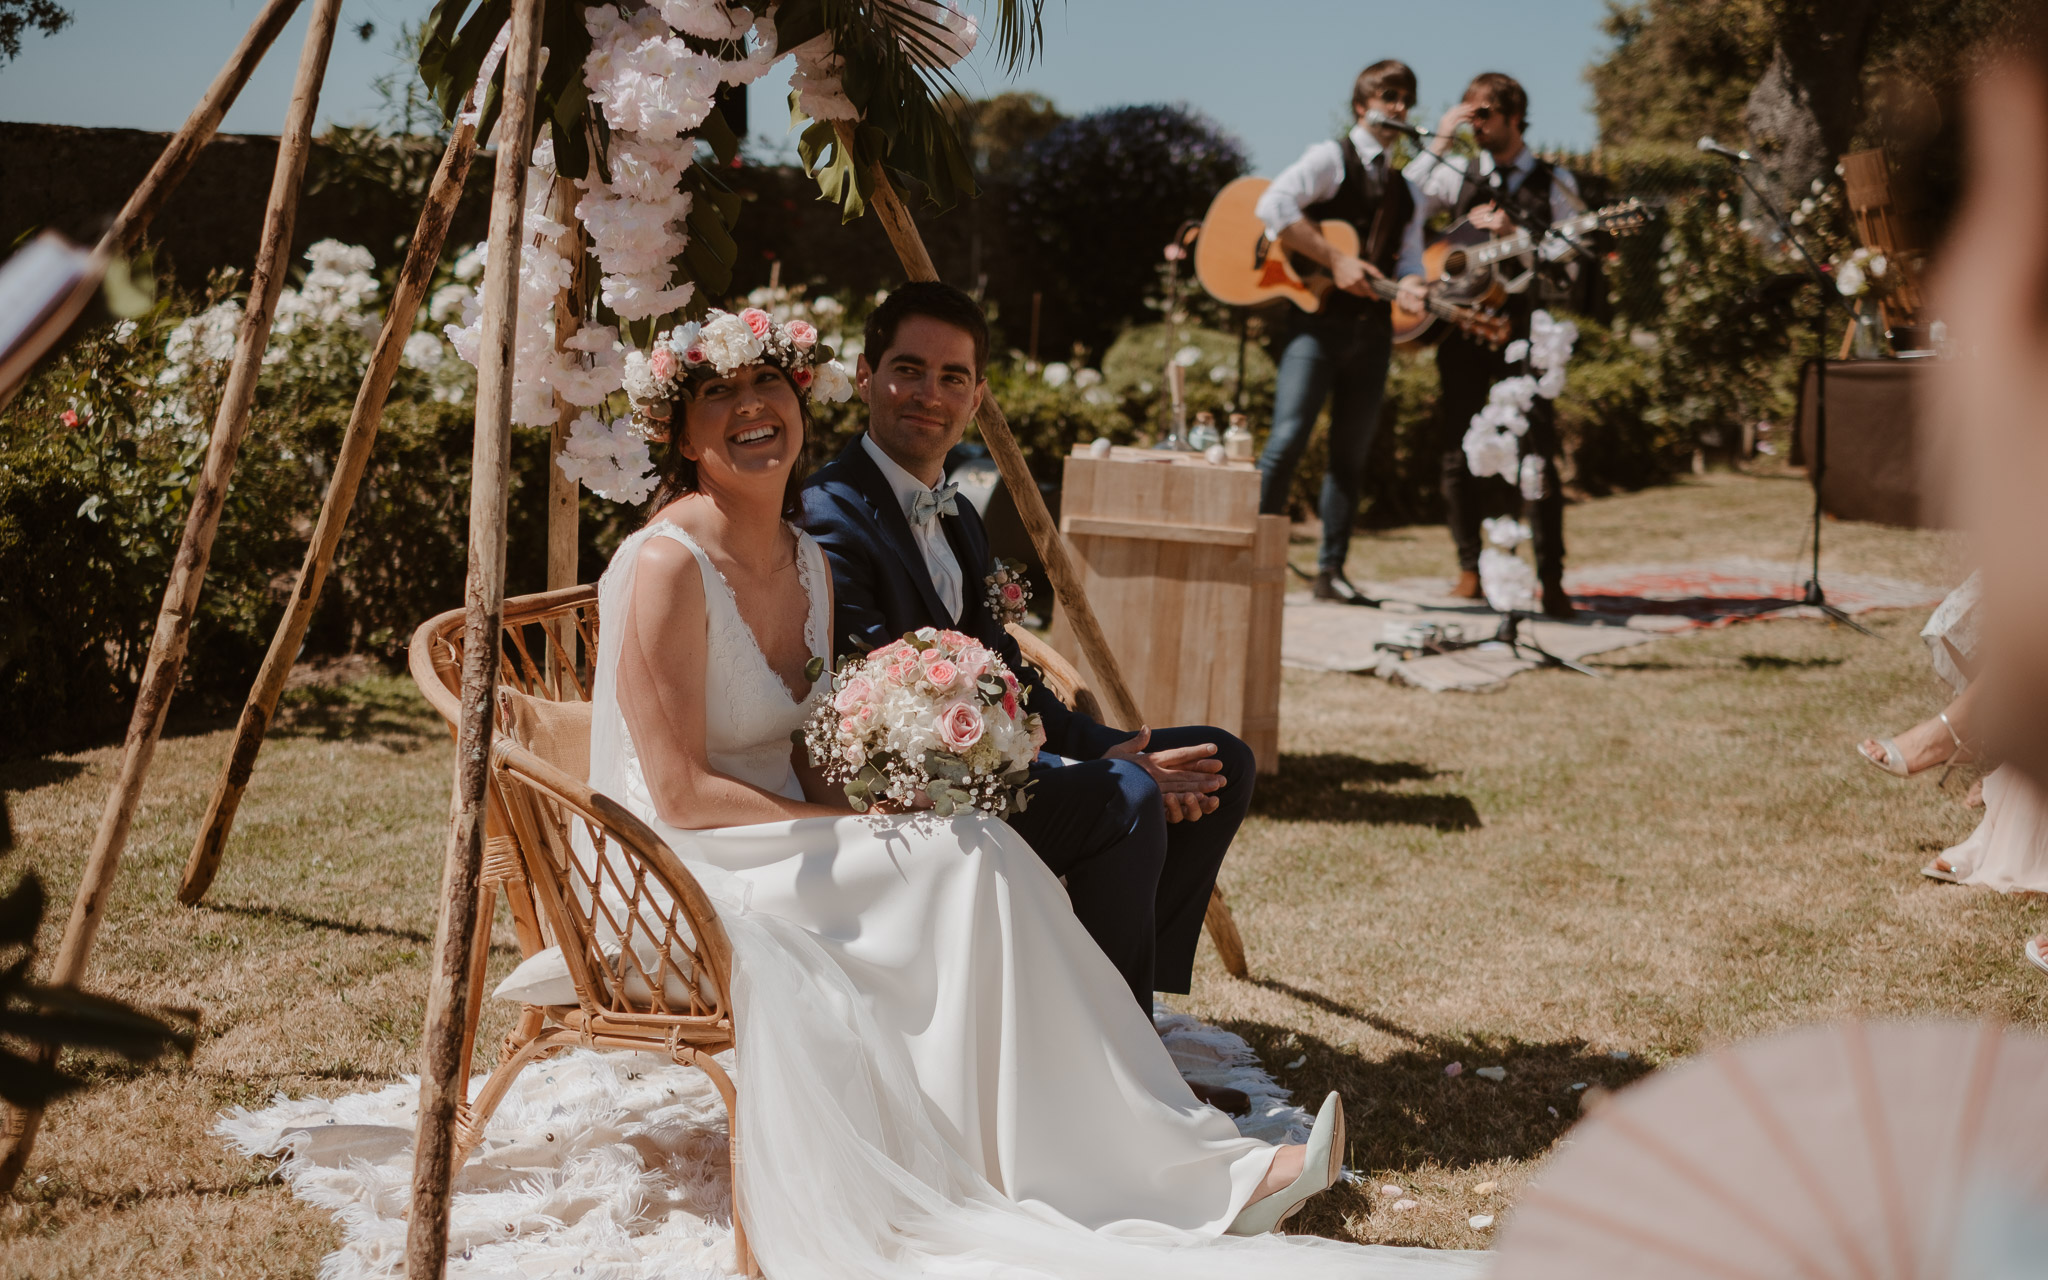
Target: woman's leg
<point>1931,742</point>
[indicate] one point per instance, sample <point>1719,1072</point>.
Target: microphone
<point>1712,147</point>
<point>1382,120</point>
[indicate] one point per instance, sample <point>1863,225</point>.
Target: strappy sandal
<point>1949,875</point>
<point>1894,762</point>
<point>2037,952</point>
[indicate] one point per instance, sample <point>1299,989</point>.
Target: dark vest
<point>1378,210</point>
<point>1528,204</point>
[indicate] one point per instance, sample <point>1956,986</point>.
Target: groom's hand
<point>1188,777</point>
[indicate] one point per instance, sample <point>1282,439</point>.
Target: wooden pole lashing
<point>443,1089</point>
<point>357,442</point>
<point>166,659</point>
<point>1017,478</point>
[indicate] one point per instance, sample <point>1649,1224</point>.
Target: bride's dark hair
<point>679,474</point>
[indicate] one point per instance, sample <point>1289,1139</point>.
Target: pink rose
<point>903,671</point>
<point>758,320</point>
<point>955,640</point>
<point>1013,595</point>
<point>889,650</point>
<point>858,693</point>
<point>69,417</point>
<point>943,675</point>
<point>663,363</point>
<point>801,377</point>
<point>801,333</point>
<point>960,726</point>
<point>693,355</point>
<point>1010,703</point>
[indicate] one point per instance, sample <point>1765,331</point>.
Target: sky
<point>1276,75</point>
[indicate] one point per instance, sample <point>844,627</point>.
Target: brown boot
<point>1468,585</point>
<point>1325,586</point>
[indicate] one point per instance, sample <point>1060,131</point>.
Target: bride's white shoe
<point>1321,1160</point>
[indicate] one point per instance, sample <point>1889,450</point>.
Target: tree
<point>17,16</point>
<point>1805,107</point>
<point>1104,193</point>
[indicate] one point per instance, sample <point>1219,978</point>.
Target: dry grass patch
<point>1538,878</point>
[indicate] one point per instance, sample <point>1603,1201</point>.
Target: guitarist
<point>1507,189</point>
<point>1341,352</point>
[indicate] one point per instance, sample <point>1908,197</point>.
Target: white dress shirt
<point>1317,175</point>
<point>1440,181</point>
<point>931,535</point>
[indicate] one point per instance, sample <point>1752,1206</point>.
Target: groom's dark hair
<point>940,301</point>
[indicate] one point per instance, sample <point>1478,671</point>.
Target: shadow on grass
<point>306,920</point>
<point>357,711</point>
<point>1402,1112</point>
<point>30,772</point>
<point>353,928</point>
<point>1774,662</point>
<point>1334,787</point>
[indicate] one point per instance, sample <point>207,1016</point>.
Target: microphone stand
<point>1813,595</point>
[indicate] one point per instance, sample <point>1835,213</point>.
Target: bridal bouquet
<point>935,714</point>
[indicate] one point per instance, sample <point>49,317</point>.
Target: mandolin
<point>1239,264</point>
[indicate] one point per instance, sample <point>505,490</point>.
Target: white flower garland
<point>1493,441</point>
<point>1506,579</point>
<point>1493,447</point>
<point>655,91</point>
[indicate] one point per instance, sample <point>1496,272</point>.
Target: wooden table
<point>1187,578</point>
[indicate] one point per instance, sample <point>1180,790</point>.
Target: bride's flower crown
<point>723,343</point>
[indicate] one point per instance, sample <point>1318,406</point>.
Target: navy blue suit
<point>1139,885</point>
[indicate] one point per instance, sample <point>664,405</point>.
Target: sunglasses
<point>1482,113</point>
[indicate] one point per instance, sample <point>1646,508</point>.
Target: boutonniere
<point>1007,593</point>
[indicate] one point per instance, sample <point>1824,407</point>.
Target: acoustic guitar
<point>1239,264</point>
<point>1472,268</point>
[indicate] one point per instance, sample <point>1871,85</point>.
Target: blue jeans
<point>1345,361</point>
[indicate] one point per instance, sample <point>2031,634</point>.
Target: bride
<point>940,1073</point>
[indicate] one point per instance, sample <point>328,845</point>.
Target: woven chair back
<point>639,936</point>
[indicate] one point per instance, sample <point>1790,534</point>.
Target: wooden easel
<point>1881,228</point>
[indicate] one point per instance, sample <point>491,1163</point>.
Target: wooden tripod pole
<point>563,493</point>
<point>188,571</point>
<point>443,1090</point>
<point>1009,459</point>
<point>421,257</point>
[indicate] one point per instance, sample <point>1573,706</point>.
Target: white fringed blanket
<point>598,1164</point>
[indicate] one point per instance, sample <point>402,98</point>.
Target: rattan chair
<point>649,960</point>
<point>1064,682</point>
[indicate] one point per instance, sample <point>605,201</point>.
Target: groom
<point>1138,823</point>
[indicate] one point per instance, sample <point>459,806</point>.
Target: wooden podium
<point>1187,578</point>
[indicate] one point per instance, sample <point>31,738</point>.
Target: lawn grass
<point>1541,877</point>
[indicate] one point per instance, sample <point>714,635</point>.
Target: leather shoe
<point>1468,585</point>
<point>1557,603</point>
<point>1232,1102</point>
<point>1325,586</point>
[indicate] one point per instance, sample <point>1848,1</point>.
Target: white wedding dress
<point>939,1073</point>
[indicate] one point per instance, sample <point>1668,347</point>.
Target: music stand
<point>1813,595</point>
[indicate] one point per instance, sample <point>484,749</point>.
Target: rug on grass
<point>1619,606</point>
<point>607,1165</point>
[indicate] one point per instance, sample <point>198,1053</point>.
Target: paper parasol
<point>1845,1152</point>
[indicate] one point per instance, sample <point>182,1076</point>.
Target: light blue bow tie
<point>926,503</point>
